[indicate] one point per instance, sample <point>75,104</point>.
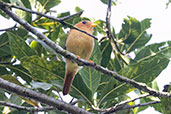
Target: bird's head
<point>86,26</point>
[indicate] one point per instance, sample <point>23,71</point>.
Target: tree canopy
<point>32,64</point>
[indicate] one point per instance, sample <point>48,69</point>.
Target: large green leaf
<point>152,50</point>
<point>47,4</point>
<point>90,76</point>
<point>143,71</point>
<point>42,69</point>
<point>4,46</point>
<point>19,47</point>
<point>133,33</point>
<point>80,90</point>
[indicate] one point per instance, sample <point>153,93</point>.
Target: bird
<point>82,46</point>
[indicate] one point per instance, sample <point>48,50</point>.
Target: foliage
<point>22,57</point>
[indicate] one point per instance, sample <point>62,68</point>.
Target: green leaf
<point>42,69</point>
<point>145,24</point>
<point>106,50</point>
<point>4,46</point>
<point>19,70</point>
<point>166,103</point>
<point>133,33</point>
<point>144,71</point>
<point>48,4</point>
<point>2,95</point>
<point>19,47</point>
<point>80,91</point>
<point>162,49</point>
<point>78,9</point>
<point>90,76</point>
<point>12,79</point>
<point>101,26</point>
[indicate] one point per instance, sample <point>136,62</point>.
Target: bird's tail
<point>69,76</point>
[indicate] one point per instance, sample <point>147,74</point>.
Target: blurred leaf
<point>106,2</point>
<point>2,95</point>
<point>47,24</point>
<point>78,9</point>
<point>166,103</point>
<point>162,49</point>
<point>144,71</point>
<point>42,85</point>
<point>19,47</point>
<point>101,26</point>
<point>106,50</point>
<point>48,4</point>
<point>90,76</point>
<point>4,45</point>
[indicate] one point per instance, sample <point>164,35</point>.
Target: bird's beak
<point>93,24</point>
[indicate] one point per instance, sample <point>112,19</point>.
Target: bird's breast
<point>80,44</point>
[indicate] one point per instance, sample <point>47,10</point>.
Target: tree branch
<point>43,98</point>
<point>109,32</point>
<point>60,20</point>
<point>29,109</point>
<point>132,106</point>
<point>121,105</point>
<point>79,61</point>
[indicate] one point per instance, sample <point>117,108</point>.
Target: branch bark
<point>43,98</point>
<point>79,61</point>
<point>108,26</point>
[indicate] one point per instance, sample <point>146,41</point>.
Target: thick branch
<point>109,32</point>
<point>43,98</point>
<point>29,109</point>
<point>82,62</point>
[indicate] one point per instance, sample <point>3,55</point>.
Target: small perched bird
<point>81,45</point>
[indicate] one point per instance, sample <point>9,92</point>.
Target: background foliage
<point>31,64</point>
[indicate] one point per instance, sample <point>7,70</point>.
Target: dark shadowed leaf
<point>106,50</point>
<point>4,46</point>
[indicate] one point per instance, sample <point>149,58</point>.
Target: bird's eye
<point>84,22</point>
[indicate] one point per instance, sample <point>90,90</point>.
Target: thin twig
<point>10,28</point>
<point>109,32</point>
<point>61,20</point>
<point>82,62</point>
<point>133,106</point>
<point>29,109</point>
<point>123,103</point>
